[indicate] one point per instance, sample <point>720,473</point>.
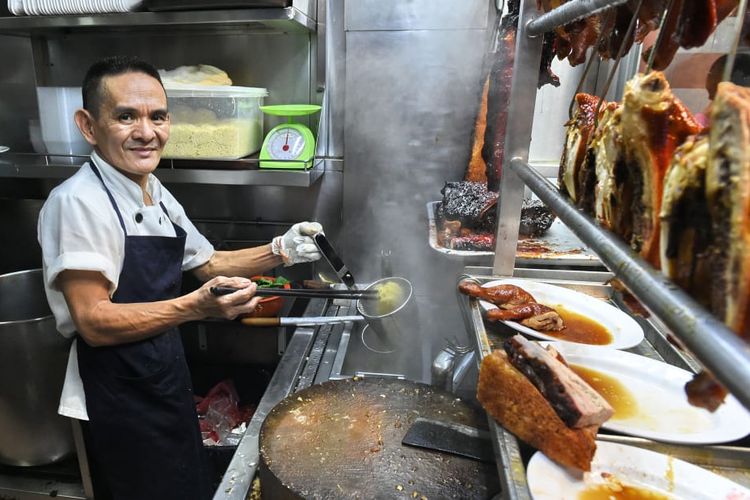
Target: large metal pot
<point>33,357</point>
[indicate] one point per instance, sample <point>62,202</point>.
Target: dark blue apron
<point>139,397</point>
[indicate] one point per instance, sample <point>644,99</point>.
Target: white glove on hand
<point>296,245</point>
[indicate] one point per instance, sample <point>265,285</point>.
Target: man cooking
<point>114,244</point>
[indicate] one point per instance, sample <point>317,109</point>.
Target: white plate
<point>631,466</point>
<point>625,331</point>
<point>658,388</point>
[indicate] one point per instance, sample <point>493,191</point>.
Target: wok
<point>342,439</point>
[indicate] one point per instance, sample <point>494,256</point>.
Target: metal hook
<point>659,38</point>
<point>620,53</point>
<point>732,54</point>
<point>589,63</point>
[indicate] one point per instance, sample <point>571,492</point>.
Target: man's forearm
<point>246,263</point>
<point>111,323</point>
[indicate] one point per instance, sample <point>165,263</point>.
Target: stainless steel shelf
<point>239,172</point>
<point>287,19</point>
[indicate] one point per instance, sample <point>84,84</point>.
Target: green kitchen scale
<point>289,145</point>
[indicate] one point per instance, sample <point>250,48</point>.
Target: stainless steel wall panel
<point>366,15</point>
<point>17,96</point>
<point>411,100</point>
<point>335,78</point>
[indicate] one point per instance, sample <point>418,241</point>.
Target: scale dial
<point>285,144</point>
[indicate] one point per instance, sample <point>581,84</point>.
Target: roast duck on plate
<point>677,193</point>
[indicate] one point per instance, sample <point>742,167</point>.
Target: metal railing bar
<point>567,13</point>
<point>717,347</point>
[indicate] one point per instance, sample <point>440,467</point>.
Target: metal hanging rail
<point>567,13</point>
<point>717,347</point>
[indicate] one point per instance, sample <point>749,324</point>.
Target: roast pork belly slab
<point>574,401</point>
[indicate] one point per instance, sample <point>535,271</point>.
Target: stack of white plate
<point>52,7</point>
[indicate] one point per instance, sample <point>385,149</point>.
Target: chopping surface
<point>343,439</point>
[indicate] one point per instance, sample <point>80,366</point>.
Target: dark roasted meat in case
<point>470,203</point>
<point>467,216</point>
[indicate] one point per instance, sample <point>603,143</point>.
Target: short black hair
<point>111,66</point>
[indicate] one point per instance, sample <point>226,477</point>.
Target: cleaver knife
<point>330,255</point>
<point>448,437</point>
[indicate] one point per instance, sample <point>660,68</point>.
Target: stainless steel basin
<point>33,357</point>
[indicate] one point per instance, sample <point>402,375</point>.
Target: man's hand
<point>296,245</point>
<point>243,301</point>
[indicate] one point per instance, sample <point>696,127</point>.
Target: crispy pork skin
<point>574,401</point>
<point>534,315</point>
<point>686,222</point>
<point>654,123</point>
<point>512,400</point>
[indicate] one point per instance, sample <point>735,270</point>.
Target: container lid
<point>175,90</point>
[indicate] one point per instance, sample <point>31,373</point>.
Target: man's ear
<point>85,123</point>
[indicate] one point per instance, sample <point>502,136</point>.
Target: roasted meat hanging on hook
<point>689,24</point>
<point>654,123</point>
<point>728,200</point>
<point>612,193</point>
<point>686,233</point>
<point>578,131</point>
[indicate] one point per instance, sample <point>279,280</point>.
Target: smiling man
<point>114,245</point>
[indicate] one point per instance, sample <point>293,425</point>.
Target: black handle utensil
<point>297,292</point>
<point>330,255</point>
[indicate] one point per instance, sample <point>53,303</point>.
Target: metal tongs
<point>299,292</point>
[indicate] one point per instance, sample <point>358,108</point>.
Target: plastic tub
<point>214,122</point>
<point>60,135</point>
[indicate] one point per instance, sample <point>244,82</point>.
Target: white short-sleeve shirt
<point>78,229</point>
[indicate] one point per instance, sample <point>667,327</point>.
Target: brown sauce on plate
<point>619,492</point>
<point>611,389</point>
<point>580,328</point>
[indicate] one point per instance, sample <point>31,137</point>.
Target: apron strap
<point>174,226</point>
<point>111,198</point>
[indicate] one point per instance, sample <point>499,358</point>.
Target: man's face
<point>132,126</point>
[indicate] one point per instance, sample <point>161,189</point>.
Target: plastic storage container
<point>60,135</point>
<point>222,123</point>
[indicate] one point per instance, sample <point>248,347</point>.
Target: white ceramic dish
<point>663,412</point>
<point>631,466</point>
<point>625,331</point>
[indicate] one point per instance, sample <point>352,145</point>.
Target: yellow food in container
<point>214,122</point>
